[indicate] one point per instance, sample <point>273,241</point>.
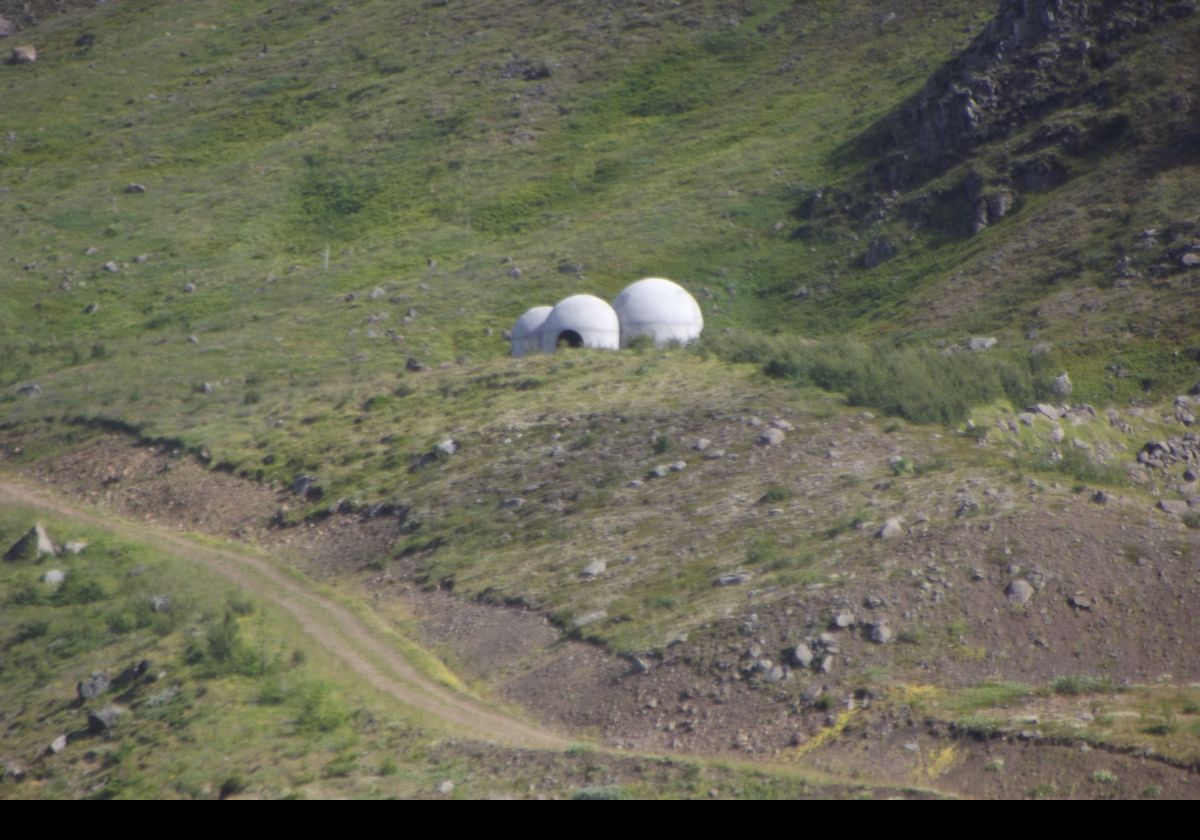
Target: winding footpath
<point>364,649</point>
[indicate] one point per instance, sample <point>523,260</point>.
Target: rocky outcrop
<point>1035,57</point>
<point>1053,64</point>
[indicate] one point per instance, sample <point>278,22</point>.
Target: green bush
<point>320,711</point>
<point>1076,684</point>
<point>79,587</point>
<point>916,383</point>
<point>776,493</point>
<point>223,651</point>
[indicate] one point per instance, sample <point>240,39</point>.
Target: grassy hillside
<point>418,158</point>
<point>285,238</point>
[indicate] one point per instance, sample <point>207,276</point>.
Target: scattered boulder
<point>802,656</point>
<point>594,569</point>
<point>447,447</point>
<point>589,618</point>
<point>892,528</point>
<point>843,620</point>
<point>1175,507</point>
<point>7,27</point>
<point>14,770</point>
<point>57,745</point>
<point>134,189</point>
<point>413,366</point>
<point>160,604</point>
<point>131,674</point>
<point>205,388</point>
<point>515,503</point>
<point>977,343</point>
<point>1190,260</point>
<point>660,471</point>
<point>679,466</point>
<point>376,293</point>
<point>1100,497</point>
<point>111,267</point>
<point>34,545</point>
<point>879,633</point>
<point>44,546</point>
<point>1081,601</point>
<point>31,389</point>
<point>701,444</point>
<point>569,267</point>
<point>1062,386</point>
<point>93,686</point>
<point>54,576</point>
<point>103,721</point>
<point>732,579</point>
<point>189,288</point>
<point>1019,592</point>
<point>771,437</point>
<point>1040,349</point>
<point>826,666</point>
<point>26,54</point>
<point>446,788</point>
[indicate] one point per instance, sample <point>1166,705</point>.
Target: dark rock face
<point>1050,63</point>
<point>1040,174</point>
<point>880,250</point>
<point>1033,58</point>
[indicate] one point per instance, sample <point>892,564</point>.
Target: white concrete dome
<point>581,321</point>
<point>525,331</point>
<point>656,307</point>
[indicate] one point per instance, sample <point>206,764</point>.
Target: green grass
<point>404,148</point>
<point>257,166</point>
<point>292,726</point>
<point>1083,684</point>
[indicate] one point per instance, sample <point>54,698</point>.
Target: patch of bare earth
<point>1112,594</point>
<point>1002,767</point>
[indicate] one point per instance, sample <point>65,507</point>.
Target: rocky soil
<point>1022,583</point>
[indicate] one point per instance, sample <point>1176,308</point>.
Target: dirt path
<point>363,648</point>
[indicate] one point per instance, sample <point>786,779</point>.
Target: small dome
<point>525,330</point>
<point>663,310</point>
<point>581,321</point>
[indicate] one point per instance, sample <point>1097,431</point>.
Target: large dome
<point>656,307</point>
<point>525,330</point>
<point>581,321</point>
